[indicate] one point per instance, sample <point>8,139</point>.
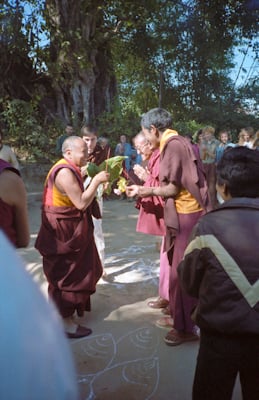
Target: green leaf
<point>92,169</point>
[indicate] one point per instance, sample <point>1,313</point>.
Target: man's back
<point>224,253</point>
<point>220,268</point>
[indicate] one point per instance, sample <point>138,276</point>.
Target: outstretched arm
<point>169,190</point>
<point>67,183</point>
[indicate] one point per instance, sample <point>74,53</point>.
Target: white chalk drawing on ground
<point>128,266</point>
<point>128,365</point>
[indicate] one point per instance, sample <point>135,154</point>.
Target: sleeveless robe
<point>66,242</point>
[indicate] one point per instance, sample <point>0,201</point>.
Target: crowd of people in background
<point>201,140</point>
<point>211,148</point>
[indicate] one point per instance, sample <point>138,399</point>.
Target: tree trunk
<point>80,65</point>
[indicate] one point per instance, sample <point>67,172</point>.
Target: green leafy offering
<point>92,169</point>
<point>112,165</point>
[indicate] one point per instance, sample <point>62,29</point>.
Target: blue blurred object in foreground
<point>36,362</point>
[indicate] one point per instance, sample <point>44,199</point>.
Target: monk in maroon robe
<point>65,240</point>
<point>151,213</point>
<point>184,187</point>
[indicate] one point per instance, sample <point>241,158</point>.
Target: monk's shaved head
<point>70,143</point>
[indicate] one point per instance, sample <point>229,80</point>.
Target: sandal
<point>81,331</point>
<point>165,323</point>
<point>174,337</point>
<point>159,303</point>
<point>166,310</point>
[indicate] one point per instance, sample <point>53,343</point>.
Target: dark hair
<point>158,117</point>
<point>189,136</point>
<point>239,170</point>
<point>88,130</point>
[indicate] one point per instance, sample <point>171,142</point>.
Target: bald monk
<point>65,240</point>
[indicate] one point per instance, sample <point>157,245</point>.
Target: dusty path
<point>125,357</point>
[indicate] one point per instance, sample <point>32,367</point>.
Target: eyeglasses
<point>141,147</point>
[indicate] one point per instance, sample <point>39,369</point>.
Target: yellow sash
<point>53,196</point>
<point>166,135</point>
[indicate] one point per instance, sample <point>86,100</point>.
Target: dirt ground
<point>125,357</point>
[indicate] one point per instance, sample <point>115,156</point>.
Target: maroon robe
<point>180,166</point>
<point>70,258</point>
<point>98,155</point>
<point>151,209</point>
<point>7,212</point>
<point>151,220</point>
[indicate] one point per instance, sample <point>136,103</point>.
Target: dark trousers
<point>210,173</point>
<point>219,361</point>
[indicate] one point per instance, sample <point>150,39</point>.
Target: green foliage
<point>112,165</point>
<point>26,130</point>
<point>184,127</point>
<point>116,123</point>
<point>108,62</point>
<point>92,169</point>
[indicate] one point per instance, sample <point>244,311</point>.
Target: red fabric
<point>98,155</point>
<point>70,258</point>
<point>151,211</point>
<point>210,173</point>
<point>164,274</point>
<point>181,304</point>
<point>7,212</point>
<point>7,221</point>
<point>180,166</point>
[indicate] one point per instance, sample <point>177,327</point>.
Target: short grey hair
<point>158,117</point>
